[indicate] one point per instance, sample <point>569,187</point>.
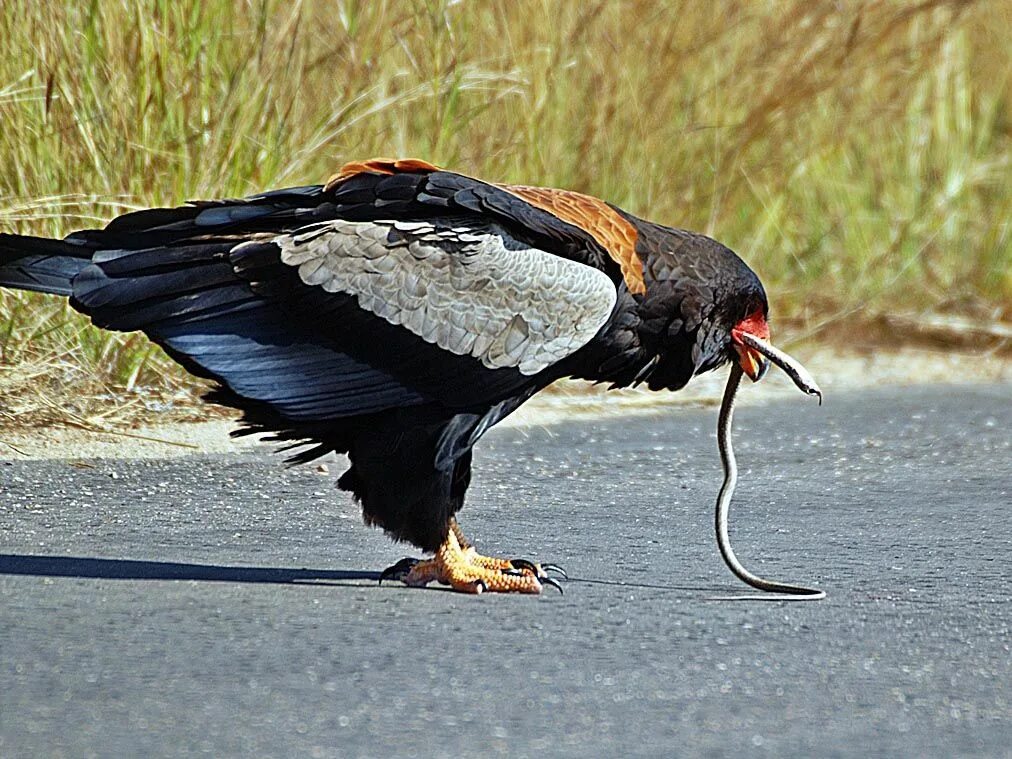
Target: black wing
<point>209,283</point>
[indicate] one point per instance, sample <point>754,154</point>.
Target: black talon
<point>514,572</point>
<point>538,570</point>
<point>395,571</point>
<point>480,587</point>
<point>555,568</point>
<point>530,566</point>
<point>553,582</point>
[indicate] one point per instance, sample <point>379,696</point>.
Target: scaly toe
<point>467,578</point>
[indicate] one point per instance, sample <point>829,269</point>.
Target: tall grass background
<point>856,154</point>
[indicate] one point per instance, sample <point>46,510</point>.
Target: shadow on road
<point>126,569</point>
<point>129,569</point>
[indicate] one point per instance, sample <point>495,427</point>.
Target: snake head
<point>792,367</point>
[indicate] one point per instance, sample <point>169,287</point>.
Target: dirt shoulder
<point>565,401</point>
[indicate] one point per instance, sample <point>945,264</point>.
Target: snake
<point>776,591</point>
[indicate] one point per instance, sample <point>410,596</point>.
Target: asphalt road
<point>225,606</point>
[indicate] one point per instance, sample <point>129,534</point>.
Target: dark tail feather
<point>40,264</point>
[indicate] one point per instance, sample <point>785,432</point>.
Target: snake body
<point>778,591</point>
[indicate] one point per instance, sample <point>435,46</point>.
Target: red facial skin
<point>754,324</point>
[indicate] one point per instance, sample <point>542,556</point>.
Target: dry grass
<point>857,154</point>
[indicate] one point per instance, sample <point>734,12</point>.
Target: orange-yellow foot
<point>491,562</point>
<point>464,570</point>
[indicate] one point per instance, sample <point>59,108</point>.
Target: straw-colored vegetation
<point>856,154</point>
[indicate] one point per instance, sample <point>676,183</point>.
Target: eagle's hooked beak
<point>751,360</point>
<point>753,363</point>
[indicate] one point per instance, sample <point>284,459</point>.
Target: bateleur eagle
<point>399,311</point>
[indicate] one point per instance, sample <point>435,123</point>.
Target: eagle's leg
<point>457,567</point>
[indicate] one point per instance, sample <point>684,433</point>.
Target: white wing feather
<point>471,292</point>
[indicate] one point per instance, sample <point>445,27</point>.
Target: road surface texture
<point>225,606</point>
